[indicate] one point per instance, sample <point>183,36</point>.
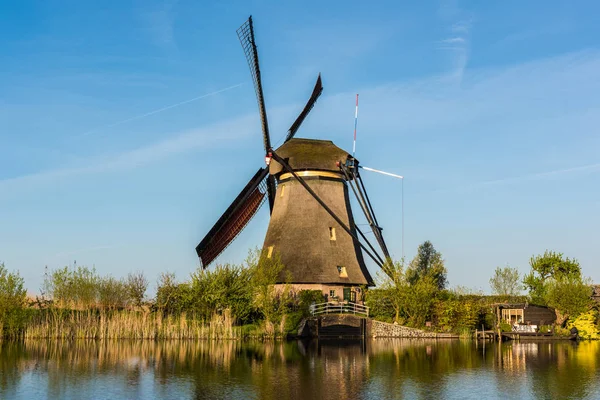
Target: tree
<point>428,262</point>
<point>227,287</point>
<point>395,287</point>
<point>269,300</point>
<point>569,296</point>
<point>546,266</point>
<point>136,284</point>
<point>12,301</point>
<point>505,282</point>
<point>556,281</point>
<point>420,299</point>
<point>412,301</point>
<point>172,297</point>
<point>112,293</point>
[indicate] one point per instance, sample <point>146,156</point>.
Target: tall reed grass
<point>127,324</point>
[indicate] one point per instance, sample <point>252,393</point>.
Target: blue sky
<point>490,111</point>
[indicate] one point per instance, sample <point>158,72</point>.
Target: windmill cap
<point>309,154</point>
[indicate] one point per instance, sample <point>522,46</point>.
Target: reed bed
<point>128,324</point>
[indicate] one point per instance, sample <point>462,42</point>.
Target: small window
<point>269,251</point>
<point>331,233</point>
<point>282,191</point>
<point>332,293</point>
<point>342,271</point>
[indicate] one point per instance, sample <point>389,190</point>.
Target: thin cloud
<point>453,40</point>
<point>524,178</point>
<point>135,118</point>
<point>489,93</point>
<point>180,143</point>
<point>541,175</point>
<point>458,45</point>
<point>159,23</point>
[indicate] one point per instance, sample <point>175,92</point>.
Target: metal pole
<point>355,121</point>
<point>402,220</point>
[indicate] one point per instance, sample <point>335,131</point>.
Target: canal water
<point>375,369</point>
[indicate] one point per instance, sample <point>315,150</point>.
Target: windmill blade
<point>246,35</point>
<point>234,219</point>
<point>311,103</point>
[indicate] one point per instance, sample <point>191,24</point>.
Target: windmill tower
<point>312,245</point>
<point>307,184</point>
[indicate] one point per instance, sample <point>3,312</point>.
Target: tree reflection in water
<point>377,369</point>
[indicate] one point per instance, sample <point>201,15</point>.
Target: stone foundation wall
<point>383,329</point>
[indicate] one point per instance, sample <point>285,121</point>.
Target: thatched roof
<point>309,154</point>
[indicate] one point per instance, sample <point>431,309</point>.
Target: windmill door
<point>347,294</point>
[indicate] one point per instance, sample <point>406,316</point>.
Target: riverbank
<point>144,324</point>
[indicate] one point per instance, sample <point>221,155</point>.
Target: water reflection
<point>377,369</point>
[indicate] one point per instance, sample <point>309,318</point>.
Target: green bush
<point>12,303</point>
<point>307,297</point>
<point>586,325</point>
<point>505,327</point>
<point>380,305</point>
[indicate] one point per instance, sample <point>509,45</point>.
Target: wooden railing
<point>339,308</point>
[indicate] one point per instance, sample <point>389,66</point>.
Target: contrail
<point>160,110</point>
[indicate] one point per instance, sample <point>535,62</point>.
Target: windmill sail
<point>246,35</point>
<point>311,103</point>
<point>234,219</point>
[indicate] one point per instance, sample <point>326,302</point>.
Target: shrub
<point>586,325</point>
<point>12,302</point>
<point>307,297</point>
<point>505,327</point>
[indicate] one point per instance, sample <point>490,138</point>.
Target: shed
<point>596,293</point>
<point>525,314</point>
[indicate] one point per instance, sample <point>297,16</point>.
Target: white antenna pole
<point>355,122</point>
<point>395,176</point>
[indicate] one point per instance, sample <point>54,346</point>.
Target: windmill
<point>307,184</point>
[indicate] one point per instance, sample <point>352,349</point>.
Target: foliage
<point>556,281</point>
<point>380,306</point>
<point>305,298</point>
<point>505,281</point>
<point>411,303</point>
<point>505,327</point>
<point>455,311</point>
<point>82,288</point>
<point>270,300</point>
<point>396,288</point>
<point>76,288</point>
<point>587,325</point>
<point>227,287</point>
<point>560,331</point>
<point>427,262</point>
<point>12,302</point>
<point>136,285</point>
<point>547,266</point>
<point>172,297</point>
<point>112,293</point>
<point>569,295</point>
